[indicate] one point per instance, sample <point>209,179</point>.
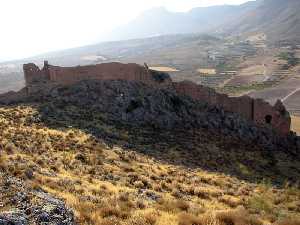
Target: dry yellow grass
<point>296,124</point>
<point>163,69</point>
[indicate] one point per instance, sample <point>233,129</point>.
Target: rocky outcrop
<point>136,104</point>
<point>31,206</point>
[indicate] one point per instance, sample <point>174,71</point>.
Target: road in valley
<point>290,94</point>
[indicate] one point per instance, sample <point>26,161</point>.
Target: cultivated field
<point>207,71</point>
<point>163,69</point>
<point>296,124</point>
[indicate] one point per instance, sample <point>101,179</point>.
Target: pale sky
<point>30,27</point>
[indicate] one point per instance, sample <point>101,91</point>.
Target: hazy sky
<point>30,27</point>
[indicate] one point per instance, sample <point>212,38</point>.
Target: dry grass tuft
<point>237,217</point>
<point>189,219</point>
<point>289,222</point>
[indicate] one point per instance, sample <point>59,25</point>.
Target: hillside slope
<point>92,145</point>
<point>279,19</point>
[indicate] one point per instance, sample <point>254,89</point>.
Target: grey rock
<point>29,174</point>
<point>44,210</point>
<point>13,218</point>
<point>44,217</point>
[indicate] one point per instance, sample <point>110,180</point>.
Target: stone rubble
<point>31,206</point>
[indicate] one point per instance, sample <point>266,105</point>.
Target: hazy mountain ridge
<point>277,18</point>
<point>160,21</point>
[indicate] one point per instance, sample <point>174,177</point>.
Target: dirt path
<point>265,73</point>
<point>290,94</point>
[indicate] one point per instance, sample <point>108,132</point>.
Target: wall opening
<point>268,119</point>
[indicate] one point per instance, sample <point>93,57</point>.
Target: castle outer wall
<point>105,71</point>
<point>256,110</point>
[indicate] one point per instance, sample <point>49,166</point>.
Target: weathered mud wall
<point>256,110</point>
<point>105,71</point>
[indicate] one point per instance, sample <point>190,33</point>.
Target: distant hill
<point>279,19</point>
<point>160,21</point>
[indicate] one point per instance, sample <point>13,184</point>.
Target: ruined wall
<point>105,71</point>
<point>275,116</point>
<point>108,71</point>
<point>241,105</point>
<point>33,74</point>
<point>195,91</point>
<point>257,110</point>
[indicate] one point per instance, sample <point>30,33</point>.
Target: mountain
<point>160,21</point>
<point>279,19</point>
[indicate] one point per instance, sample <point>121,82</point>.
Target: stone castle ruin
<point>106,71</point>
<point>256,110</point>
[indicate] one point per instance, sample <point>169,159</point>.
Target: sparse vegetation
<point>290,58</point>
<point>134,179</point>
<point>244,88</point>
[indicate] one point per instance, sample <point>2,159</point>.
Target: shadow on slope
<point>169,128</point>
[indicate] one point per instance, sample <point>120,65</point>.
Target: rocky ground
<point>23,205</point>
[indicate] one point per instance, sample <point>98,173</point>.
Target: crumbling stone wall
<point>275,116</point>
<point>256,110</point>
<point>105,71</point>
<point>33,74</point>
<point>241,105</point>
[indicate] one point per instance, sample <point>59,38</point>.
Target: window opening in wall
<point>268,119</point>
